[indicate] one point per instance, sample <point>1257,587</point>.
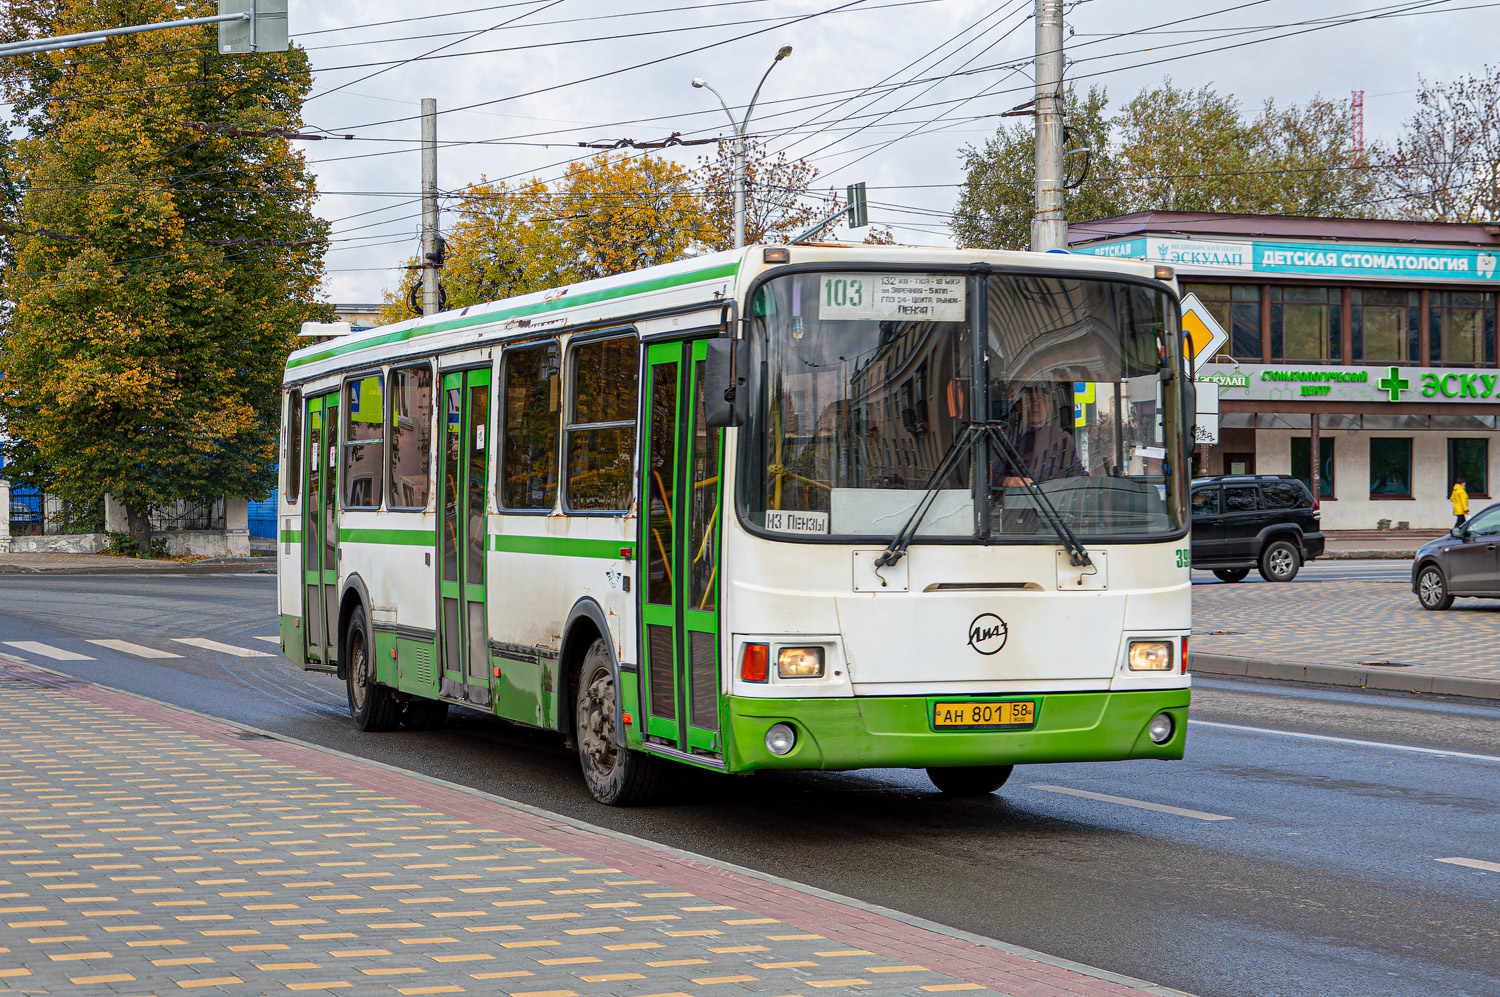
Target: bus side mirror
<point>726,402</point>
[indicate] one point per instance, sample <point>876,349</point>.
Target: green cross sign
<point>1394,383</point>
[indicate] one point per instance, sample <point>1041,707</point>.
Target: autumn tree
<point>1445,167</point>
<point>780,202</point>
<point>165,256</point>
<point>609,214</point>
<point>997,197</point>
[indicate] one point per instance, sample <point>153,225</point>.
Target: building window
<point>1237,309</point>
<point>1469,461</point>
<point>1461,328</point>
<point>1306,323</point>
<point>293,446</point>
<point>1302,464</point>
<point>411,437</point>
<point>364,401</point>
<point>1390,468</point>
<point>601,424</point>
<point>1384,325</point>
<point>531,393</point>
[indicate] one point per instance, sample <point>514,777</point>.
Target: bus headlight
<point>780,739</point>
<point>1150,656</point>
<point>799,663</point>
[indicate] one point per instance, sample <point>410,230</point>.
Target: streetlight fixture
<point>740,128</point>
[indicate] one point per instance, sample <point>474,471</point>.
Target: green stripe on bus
<point>561,546</point>
<point>566,301</point>
<point>401,538</point>
<point>291,536</point>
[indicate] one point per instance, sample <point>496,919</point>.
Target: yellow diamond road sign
<point>1202,335</point>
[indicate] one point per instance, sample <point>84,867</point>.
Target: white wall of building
<point>1353,508</point>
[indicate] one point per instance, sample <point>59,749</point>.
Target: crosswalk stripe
<point>213,645</point>
<point>47,650</point>
<point>271,640</point>
<point>125,647</point>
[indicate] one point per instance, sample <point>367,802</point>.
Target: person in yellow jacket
<point>1460,500</point>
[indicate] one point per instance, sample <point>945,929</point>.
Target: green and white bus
<point>787,507</point>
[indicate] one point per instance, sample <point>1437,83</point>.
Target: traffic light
<point>264,31</point>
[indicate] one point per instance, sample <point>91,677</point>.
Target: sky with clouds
<point>884,91</point>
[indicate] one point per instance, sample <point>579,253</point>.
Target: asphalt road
<point>1327,880</point>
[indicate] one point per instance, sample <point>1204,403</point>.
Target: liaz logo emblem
<point>987,633</point>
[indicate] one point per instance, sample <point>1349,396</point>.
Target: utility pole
<point>1049,229</point>
<point>741,127</point>
<point>430,255</point>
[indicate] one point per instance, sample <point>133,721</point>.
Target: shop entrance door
<point>463,636</point>
<point>680,575</point>
<point>320,531</point>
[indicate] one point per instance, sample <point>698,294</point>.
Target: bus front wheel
<point>970,780</point>
<point>615,775</point>
<point>370,704</point>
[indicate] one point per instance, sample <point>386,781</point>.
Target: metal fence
<point>180,516</point>
<point>27,518</point>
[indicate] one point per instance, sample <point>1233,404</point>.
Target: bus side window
<point>530,403</point>
<point>601,424</point>
<point>293,449</point>
<point>410,433</point>
<point>364,442</point>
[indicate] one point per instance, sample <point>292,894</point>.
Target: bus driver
<point>1045,448</point>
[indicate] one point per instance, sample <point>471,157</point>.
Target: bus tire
<point>424,714</point>
<point>372,705</point>
<point>616,776</point>
<point>970,780</point>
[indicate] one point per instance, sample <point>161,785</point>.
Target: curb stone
<point>1393,679</point>
<point>238,566</point>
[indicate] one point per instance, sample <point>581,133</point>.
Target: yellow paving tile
<point>710,980</point>
<point>430,990</point>
<point>943,987</point>
<point>611,977</point>
<point>739,948</point>
<point>825,984</point>
<point>392,970</point>
<point>216,981</point>
<point>570,960</point>
<point>115,978</point>
<point>272,967</point>
<point>319,986</point>
<point>785,965</point>
<point>678,962</point>
<point>472,957</point>
<point>896,969</point>
<point>192,960</point>
<point>544,993</point>
<point>502,975</point>
<point>839,952</point>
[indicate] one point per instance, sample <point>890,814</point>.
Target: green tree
<point>1307,161</point>
<point>1445,167</point>
<point>997,197</point>
<point>164,259</point>
<point>1185,150</point>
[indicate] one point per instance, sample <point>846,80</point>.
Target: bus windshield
<point>865,381</point>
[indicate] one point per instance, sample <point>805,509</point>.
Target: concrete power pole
<point>1049,229</point>
<point>429,207</point>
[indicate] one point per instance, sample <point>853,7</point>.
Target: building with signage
<point>1382,331</point>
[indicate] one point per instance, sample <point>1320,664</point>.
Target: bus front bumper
<point>898,731</point>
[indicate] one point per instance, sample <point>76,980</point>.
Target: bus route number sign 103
<point>914,297</point>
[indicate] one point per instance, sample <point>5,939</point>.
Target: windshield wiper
<point>1076,553</point>
<point>896,549</point>
<point>972,433</point>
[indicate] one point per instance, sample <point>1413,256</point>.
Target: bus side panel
<point>540,567</point>
<point>289,565</point>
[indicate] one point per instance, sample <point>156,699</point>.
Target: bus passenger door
<point>320,532</point>
<point>463,637</point>
<point>680,537</point>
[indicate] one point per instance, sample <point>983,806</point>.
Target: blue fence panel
<point>263,518</point>
<point>27,516</point>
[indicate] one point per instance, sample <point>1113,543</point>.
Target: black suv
<point>1264,521</point>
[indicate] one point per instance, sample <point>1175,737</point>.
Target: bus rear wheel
<point>970,780</point>
<point>372,705</point>
<point>615,775</point>
<point>424,714</point>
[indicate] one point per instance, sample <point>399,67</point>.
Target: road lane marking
<point>1139,804</point>
<point>47,650</point>
<point>1474,864</point>
<point>1349,740</point>
<point>213,645</point>
<point>271,640</point>
<point>125,647</point>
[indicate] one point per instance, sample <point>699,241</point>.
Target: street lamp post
<point>740,128</point>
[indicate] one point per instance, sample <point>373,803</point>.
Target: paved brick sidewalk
<point>1346,623</point>
<point>145,850</point>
